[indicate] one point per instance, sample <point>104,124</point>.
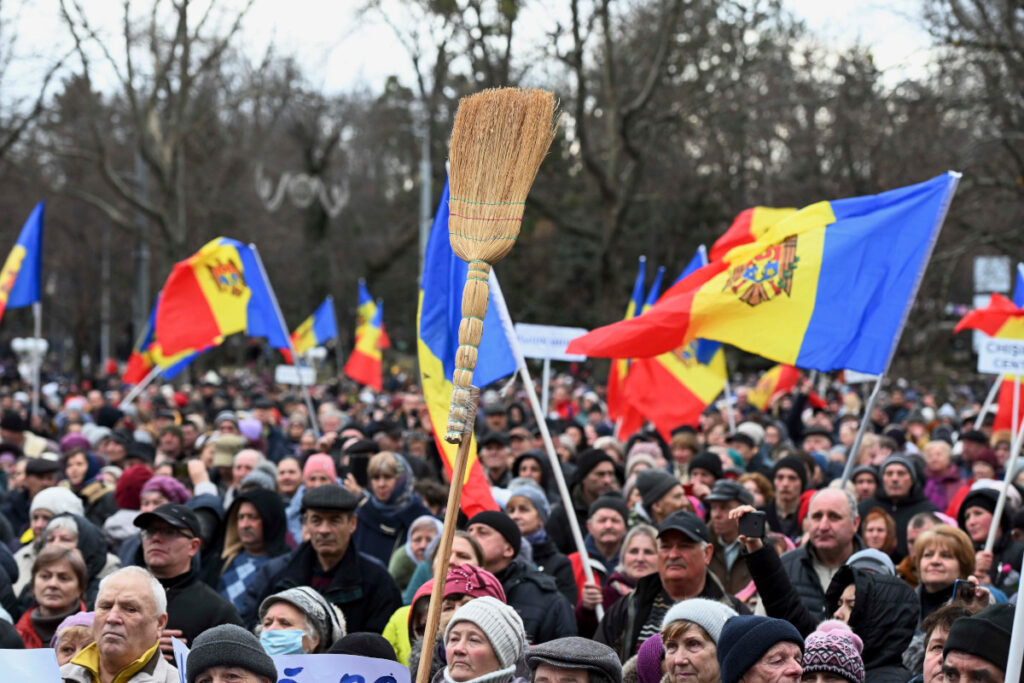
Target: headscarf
<point>403,491</point>
<point>422,520</point>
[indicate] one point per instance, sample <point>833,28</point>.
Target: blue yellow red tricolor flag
<point>779,379</point>
<point>218,291</point>
<point>618,407</point>
<point>365,362</point>
<point>827,287</point>
<point>749,226</point>
<point>316,330</point>
<point>674,388</point>
<point>438,318</point>
<point>148,354</point>
<point>23,269</point>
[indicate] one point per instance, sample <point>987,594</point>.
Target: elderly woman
<point>390,509</point>
<point>639,559</point>
<point>483,642</point>
<point>228,653</point>
<point>423,530</point>
<point>76,532</point>
<point>689,635</point>
<point>58,582</point>
<point>465,550</point>
<point>942,555</point>
<point>298,621</point>
<point>160,490</point>
<point>72,636</point>
<point>528,507</point>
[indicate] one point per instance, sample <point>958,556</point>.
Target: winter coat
<point>545,612</point>
<point>941,488</point>
<point>271,510</point>
<point>557,566</point>
<point>901,511</point>
<point>733,580</point>
<point>379,531</point>
<point>798,567</point>
<point>1005,551</point>
<point>156,670</point>
<point>558,523</point>
<point>193,607</point>
<point>361,587</point>
<point>210,512</point>
<point>620,628</point>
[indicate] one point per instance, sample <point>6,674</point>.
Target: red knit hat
<point>129,487</point>
<point>466,579</point>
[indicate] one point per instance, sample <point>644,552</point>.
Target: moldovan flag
<point>438,318</point>
<point>23,269</point>
<point>1004,415</point>
<point>148,354</point>
<point>364,364</point>
<point>674,388</point>
<point>618,407</point>
<point>749,226</point>
<point>778,380</point>
<point>827,288</point>
<point>218,291</point>
<point>316,330</point>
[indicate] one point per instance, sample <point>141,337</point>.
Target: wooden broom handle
<point>444,548</point>
<point>471,329</point>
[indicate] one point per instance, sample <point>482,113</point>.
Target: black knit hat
<point>588,460</point>
<point>985,635</point>
<point>228,645</point>
<point>573,652</point>
<point>653,484</point>
<point>610,501</point>
<point>329,497</point>
<point>364,645</point>
<point>986,499</point>
<point>501,523</point>
<point>708,462</point>
<point>792,462</point>
<point>745,639</point>
<point>865,469</point>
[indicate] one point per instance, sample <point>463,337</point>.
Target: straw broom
<point>498,142</point>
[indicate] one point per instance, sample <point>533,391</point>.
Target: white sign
<point>992,274</point>
<point>548,341</point>
<point>30,666</point>
<point>1001,356</point>
<point>289,374</point>
<point>309,668</point>
<point>854,377</point>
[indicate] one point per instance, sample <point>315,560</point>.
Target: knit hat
<point>228,645</point>
<point>501,523</point>
<point>320,462</point>
<point>985,635</point>
<point>76,619</point>
<point>225,416</point>
<point>901,460</point>
<point>865,469</point>
<point>609,501</point>
<point>708,462</point>
<point>57,500</point>
<point>746,638</point>
<point>649,658</point>
<point>169,487</point>
<point>365,645</point>
<point>834,648</point>
<point>499,622</point>
<point>319,613</point>
<point>532,493</point>
<point>653,484</point>
<point>753,430</point>
<point>588,460</point>
<point>74,441</point>
<point>573,652</point>
<point>710,615</point>
<point>985,499</point>
<point>792,462</point>
<point>129,487</point>
<point>467,579</point>
<point>225,448</point>
<point>872,560</point>
<point>647,448</point>
<point>258,478</point>
<point>638,459</point>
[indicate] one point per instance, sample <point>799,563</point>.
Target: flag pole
<point>870,405</point>
<point>1011,465</point>
<point>987,405</point>
<point>513,341</point>
<point>1015,655</point>
<point>728,403</point>
<point>140,387</point>
<point>1016,405</point>
<point>291,347</point>
<point>37,358</point>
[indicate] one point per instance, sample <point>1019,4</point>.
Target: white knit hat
<point>58,500</point>
<point>499,622</point>
<point>708,614</point>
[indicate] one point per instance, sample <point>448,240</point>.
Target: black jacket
<point>15,510</point>
<point>361,588</point>
<point>901,511</point>
<point>557,566</point>
<point>271,510</point>
<point>620,628</point>
<point>558,523</point>
<point>193,607</point>
<point>546,614</point>
<point>786,527</point>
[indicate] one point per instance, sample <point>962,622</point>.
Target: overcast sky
<point>338,52</point>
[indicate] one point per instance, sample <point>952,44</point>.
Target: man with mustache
<point>684,551</point>
<point>131,612</point>
<point>255,534</point>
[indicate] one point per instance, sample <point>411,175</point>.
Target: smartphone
<point>964,590</point>
<point>357,466</point>
<point>752,524</point>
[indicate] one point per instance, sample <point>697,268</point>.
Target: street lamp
<point>30,351</point>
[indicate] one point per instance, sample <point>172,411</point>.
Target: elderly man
<point>684,551</point>
<point>977,647</point>
<point>573,660</point>
<point>131,612</point>
<point>661,495</point>
<point>595,476</point>
<point>255,534</point>
<point>170,539</point>
<point>229,654</point>
<point>760,650</point>
<point>329,562</point>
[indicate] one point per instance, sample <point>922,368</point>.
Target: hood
<point>271,509</point>
<point>547,477</point>
<point>885,613</point>
<point>91,543</point>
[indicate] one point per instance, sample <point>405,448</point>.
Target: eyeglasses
<point>166,532</point>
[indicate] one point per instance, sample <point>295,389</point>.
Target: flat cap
<point>728,489</point>
<point>329,497</point>
<point>574,652</point>
<point>42,466</point>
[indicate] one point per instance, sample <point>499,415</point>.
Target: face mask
<point>283,642</point>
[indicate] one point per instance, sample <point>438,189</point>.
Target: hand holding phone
<point>752,524</point>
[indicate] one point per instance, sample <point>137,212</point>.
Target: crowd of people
<point>729,551</point>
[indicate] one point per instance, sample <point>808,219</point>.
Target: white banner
<point>1001,356</point>
<point>289,374</point>
<point>548,341</point>
<point>30,666</point>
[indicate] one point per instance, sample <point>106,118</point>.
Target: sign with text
<point>854,377</point>
<point>548,341</point>
<point>1001,356</point>
<point>30,666</point>
<point>289,374</point>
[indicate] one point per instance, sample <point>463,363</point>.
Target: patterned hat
<point>834,648</point>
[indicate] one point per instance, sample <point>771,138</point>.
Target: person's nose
<point>793,668</point>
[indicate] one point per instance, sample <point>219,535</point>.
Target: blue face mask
<point>283,642</point>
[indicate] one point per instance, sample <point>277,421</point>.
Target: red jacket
<point>28,633</point>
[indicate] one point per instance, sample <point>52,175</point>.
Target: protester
<point>46,505</point>
<point>528,507</point>
<point>727,563</point>
<point>595,476</point>
<point>484,642</point>
<point>390,509</point>
<point>942,555</point>
<point>879,531</point>
<point>690,633</point>
<point>976,518</point>
<point>573,658</point>
<point>74,531</point>
<point>228,653</point>
<point>404,560</point>
<point>789,477</point>
<point>58,585</point>
<point>255,534</point>
<point>902,496</point>
<point>299,621</point>
<point>756,649</point>
<point>72,636</point>
<point>833,650</point>
<point>977,646</point>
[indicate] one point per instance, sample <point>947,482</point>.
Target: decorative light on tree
<point>302,190</point>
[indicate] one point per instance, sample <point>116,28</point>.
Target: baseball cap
<point>175,514</point>
<point>686,522</point>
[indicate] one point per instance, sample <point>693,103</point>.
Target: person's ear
<point>509,552</point>
<point>161,621</point>
<point>353,520</point>
<point>709,552</point>
<point>196,543</point>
